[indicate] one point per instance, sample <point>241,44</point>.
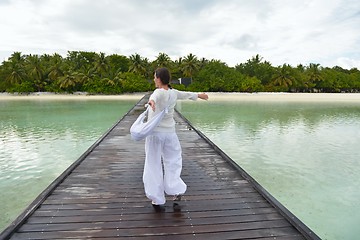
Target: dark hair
<point>164,75</point>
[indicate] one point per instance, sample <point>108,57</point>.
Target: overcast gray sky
<point>281,31</point>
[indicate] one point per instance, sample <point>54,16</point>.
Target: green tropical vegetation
<point>96,73</point>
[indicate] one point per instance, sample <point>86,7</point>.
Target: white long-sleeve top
<point>161,98</point>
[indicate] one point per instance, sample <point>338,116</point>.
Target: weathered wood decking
<point>101,196</point>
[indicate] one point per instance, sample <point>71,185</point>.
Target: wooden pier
<point>101,196</point>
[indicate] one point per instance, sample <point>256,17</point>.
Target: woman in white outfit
<point>163,162</point>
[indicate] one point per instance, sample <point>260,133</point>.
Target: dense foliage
<point>96,73</point>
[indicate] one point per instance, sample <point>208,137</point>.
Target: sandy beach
<point>296,97</point>
<point>75,96</point>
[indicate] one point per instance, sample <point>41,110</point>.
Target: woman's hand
<point>203,96</point>
<point>152,104</point>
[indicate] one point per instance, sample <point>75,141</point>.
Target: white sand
<point>296,97</point>
<point>75,96</point>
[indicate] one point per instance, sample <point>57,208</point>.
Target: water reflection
<point>305,154</point>
<point>40,139</point>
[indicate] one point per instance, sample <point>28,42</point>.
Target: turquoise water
<point>39,139</point>
<point>305,154</point>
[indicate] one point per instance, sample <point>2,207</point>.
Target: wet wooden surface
<point>103,197</point>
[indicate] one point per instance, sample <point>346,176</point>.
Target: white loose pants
<point>158,180</point>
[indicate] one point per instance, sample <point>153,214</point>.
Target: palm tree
<point>79,60</point>
<point>203,62</point>
<point>163,60</point>
<point>35,70</point>
<point>68,81</point>
<point>34,67</point>
<point>86,76</point>
<point>112,79</point>
<point>101,64</point>
<point>257,67</point>
<point>55,70</point>
<point>176,69</point>
<point>138,64</point>
<point>283,76</point>
<point>190,65</point>
<point>300,68</point>
<point>17,58</point>
<point>313,73</point>
<point>15,67</point>
<point>16,71</point>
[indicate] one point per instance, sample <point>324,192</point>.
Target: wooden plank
<point>159,228</point>
<point>138,217</point>
<point>150,222</point>
<point>280,233</point>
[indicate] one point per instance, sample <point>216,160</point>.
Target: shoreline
<point>288,97</point>
<point>216,96</point>
<point>74,96</point>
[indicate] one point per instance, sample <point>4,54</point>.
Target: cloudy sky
<point>281,31</point>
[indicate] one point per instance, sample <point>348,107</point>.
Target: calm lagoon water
<point>39,139</point>
<point>305,154</point>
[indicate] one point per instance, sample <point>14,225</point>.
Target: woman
<point>163,162</point>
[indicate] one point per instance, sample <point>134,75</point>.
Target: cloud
<point>294,32</point>
<point>347,63</point>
